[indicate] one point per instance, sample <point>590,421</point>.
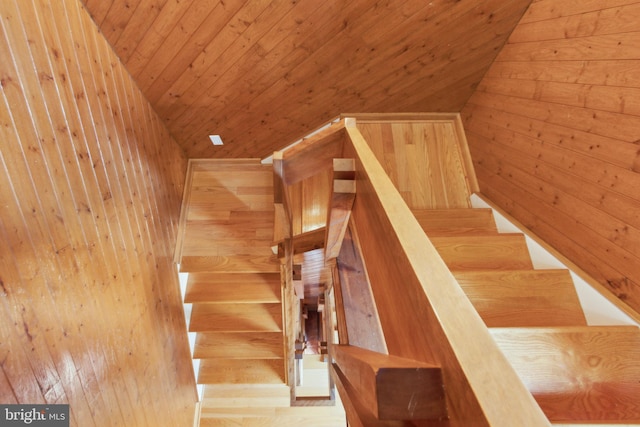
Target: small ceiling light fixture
<point>216,140</point>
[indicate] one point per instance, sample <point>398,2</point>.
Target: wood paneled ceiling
<point>264,73</point>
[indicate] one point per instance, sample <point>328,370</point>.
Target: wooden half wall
<point>90,190</point>
<point>554,132</point>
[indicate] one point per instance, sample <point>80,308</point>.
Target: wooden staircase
<point>576,373</point>
<point>234,288</point>
<point>415,171</point>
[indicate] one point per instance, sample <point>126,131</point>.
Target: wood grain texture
<point>263,74</point>
<point>423,158</point>
<point>359,316</point>
<point>241,371</point>
<point>233,287</point>
<point>393,388</point>
<point>553,131</point>
<point>494,252</point>
<point>597,380</point>
<point>236,317</point>
<point>229,218</point>
<point>262,345</point>
<point>523,297</point>
<point>438,222</point>
<point>417,270</point>
<point>90,194</point>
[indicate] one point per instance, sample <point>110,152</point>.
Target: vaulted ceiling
<point>264,73</point>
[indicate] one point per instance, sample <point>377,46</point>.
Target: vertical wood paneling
<point>92,181</point>
<point>423,158</point>
<point>554,131</point>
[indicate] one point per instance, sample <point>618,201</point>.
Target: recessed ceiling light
<point>216,140</point>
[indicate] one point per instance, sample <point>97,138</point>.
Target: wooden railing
<point>430,328</point>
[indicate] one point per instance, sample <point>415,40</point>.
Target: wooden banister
<point>424,313</point>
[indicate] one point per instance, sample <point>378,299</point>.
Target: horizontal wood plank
<point>230,317</point>
<point>499,252</point>
<point>241,371</point>
<point>600,371</point>
<point>523,297</point>
<point>243,345</point>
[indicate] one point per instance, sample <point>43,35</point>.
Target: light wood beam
<point>282,219</point>
<point>313,154</point>
<point>340,203</point>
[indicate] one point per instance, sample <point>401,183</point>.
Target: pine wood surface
<point>493,252</point>
<point>241,371</point>
<point>263,74</point>
<point>90,194</point>
<point>423,159</point>
<point>229,218</point>
<point>453,222</point>
<point>378,206</point>
<point>553,131</point>
<point>600,371</point>
<point>264,345</point>
<point>521,298</point>
<point>234,287</point>
<point>236,317</point>
<point>245,396</point>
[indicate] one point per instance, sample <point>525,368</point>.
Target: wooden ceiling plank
<point>98,9</point>
<point>324,57</point>
<point>141,20</point>
<point>155,36</point>
<point>332,97</point>
<point>304,25</point>
<point>234,41</point>
<point>117,19</point>
<point>273,80</point>
<point>255,62</point>
<point>188,44</point>
<point>548,9</point>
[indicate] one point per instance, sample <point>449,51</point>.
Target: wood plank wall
<point>420,157</point>
<point>91,182</point>
<point>554,132</point>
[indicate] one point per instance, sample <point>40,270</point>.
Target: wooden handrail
<point>424,313</point>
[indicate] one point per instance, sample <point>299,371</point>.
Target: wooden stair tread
<point>241,371</point>
<point>523,297</point>
<point>239,263</point>
<point>588,373</point>
<point>230,287</point>
<point>239,345</point>
<point>461,221</point>
<point>231,317</point>
<point>471,253</point>
<point>325,416</point>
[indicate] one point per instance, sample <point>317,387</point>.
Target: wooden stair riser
<point>241,371</point>
<point>207,317</point>
<point>240,345</point>
<point>246,396</point>
<point>238,288</point>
